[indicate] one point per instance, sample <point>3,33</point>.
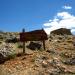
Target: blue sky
<point>32,14</point>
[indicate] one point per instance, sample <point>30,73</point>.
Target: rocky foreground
<point>57,59</point>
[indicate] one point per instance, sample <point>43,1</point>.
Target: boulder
<point>61,31</point>
<point>6,52</point>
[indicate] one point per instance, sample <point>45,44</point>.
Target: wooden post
<point>23,47</point>
<point>44,44</point>
<point>43,40</point>
<point>23,43</point>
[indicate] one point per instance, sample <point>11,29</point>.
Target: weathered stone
<point>61,31</point>
<point>70,61</point>
<point>44,64</point>
<point>6,50</point>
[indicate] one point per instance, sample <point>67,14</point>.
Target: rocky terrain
<point>57,59</point>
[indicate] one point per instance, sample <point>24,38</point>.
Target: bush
<point>12,40</point>
<point>2,59</point>
<point>34,46</point>
<point>0,42</point>
<point>1,37</point>
<point>12,56</point>
<point>20,45</point>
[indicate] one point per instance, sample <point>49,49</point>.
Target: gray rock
<point>44,64</point>
<point>70,61</point>
<point>6,51</point>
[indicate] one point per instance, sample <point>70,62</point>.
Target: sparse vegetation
<point>20,45</point>
<point>12,56</point>
<point>0,42</point>
<point>11,40</point>
<point>57,59</point>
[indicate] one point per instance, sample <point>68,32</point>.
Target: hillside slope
<point>57,59</point>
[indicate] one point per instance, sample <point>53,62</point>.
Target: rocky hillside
<point>57,59</point>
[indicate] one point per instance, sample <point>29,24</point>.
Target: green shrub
<point>20,46</point>
<point>12,40</point>
<point>12,56</point>
<point>0,42</point>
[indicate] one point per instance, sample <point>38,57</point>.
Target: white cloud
<point>61,20</point>
<point>67,7</point>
